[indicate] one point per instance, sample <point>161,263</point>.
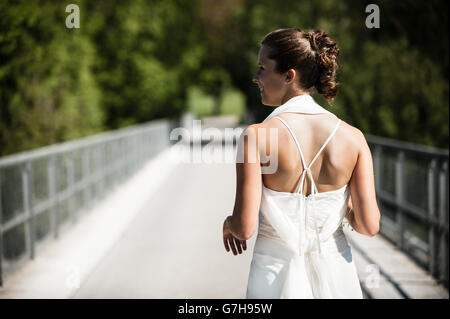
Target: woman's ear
<point>290,76</point>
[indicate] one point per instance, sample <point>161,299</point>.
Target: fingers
<point>233,247</point>
<point>225,243</point>
<point>237,246</point>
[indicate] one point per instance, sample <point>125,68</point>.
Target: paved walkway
<point>159,236</point>
<point>386,273</point>
<point>173,248</point>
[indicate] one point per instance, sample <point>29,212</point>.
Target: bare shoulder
<point>267,124</point>
<point>250,134</point>
<point>258,134</point>
<point>354,134</point>
<point>256,128</point>
<point>251,130</point>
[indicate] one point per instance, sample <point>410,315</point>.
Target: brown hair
<point>312,53</point>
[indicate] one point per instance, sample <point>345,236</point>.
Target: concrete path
<point>387,273</point>
<point>173,248</point>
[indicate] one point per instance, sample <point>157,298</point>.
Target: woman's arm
<point>364,216</point>
<point>351,219</point>
<point>244,220</point>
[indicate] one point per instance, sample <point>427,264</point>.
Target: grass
<point>232,102</point>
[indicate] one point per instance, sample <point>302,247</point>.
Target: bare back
<point>333,167</point>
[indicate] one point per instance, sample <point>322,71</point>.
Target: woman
<point>301,250</point>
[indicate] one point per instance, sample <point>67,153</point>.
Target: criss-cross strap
<point>295,139</point>
<point>307,170</point>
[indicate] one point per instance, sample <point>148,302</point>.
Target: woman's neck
<point>290,94</point>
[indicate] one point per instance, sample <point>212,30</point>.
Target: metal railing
<point>412,193</point>
<point>44,191</point>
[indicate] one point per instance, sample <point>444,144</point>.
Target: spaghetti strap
<point>305,167</point>
<point>295,139</point>
<point>326,142</point>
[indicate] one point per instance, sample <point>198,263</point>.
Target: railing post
<point>377,176</point>
<point>118,158</point>
<point>141,148</point>
<point>145,146</point>
<point>102,163</point>
<point>97,183</point>
<point>399,189</point>
<point>125,158</point>
<point>27,187</point>
<point>443,220</point>
<point>134,153</point>
<point>432,242</point>
<point>86,177</point>
<point>109,164</point>
<point>71,186</point>
<point>52,195</point>
<point>377,167</point>
<point>137,150</point>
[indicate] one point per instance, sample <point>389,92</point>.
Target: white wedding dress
<point>301,250</point>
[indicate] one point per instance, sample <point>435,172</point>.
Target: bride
<point>324,176</point>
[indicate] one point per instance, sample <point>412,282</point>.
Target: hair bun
<point>312,53</point>
<point>327,52</point>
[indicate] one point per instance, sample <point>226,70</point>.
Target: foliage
<point>134,61</point>
<point>48,91</point>
<point>393,80</point>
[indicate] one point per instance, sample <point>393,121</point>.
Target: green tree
<point>47,90</point>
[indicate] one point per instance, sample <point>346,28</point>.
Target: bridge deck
<point>159,236</point>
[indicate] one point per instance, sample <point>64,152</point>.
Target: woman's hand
<point>230,241</point>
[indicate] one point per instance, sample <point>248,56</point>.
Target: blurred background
<point>114,87</point>
<point>134,61</point>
